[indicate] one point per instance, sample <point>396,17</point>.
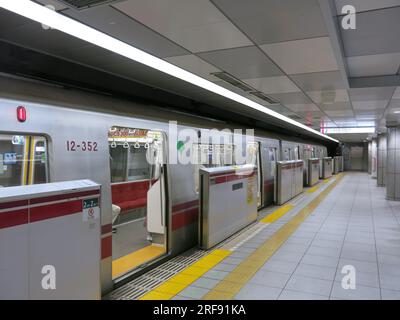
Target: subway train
<point>149,211</point>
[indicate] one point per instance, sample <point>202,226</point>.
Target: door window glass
<point>23,160</point>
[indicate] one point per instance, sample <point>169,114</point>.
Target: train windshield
<point>23,160</point>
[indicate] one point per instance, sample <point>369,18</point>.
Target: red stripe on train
<point>106,247</point>
<point>185,218</point>
<point>55,210</point>
<point>13,218</point>
<point>107,228</point>
<point>185,205</point>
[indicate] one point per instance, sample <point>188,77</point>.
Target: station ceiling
<point>295,52</point>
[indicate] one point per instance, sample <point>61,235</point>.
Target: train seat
<point>131,195</point>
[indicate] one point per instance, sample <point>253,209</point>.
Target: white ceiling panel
<point>319,81</point>
<point>336,106</point>
<point>375,33</point>
<point>291,98</point>
<point>303,56</point>
<point>329,96</point>
<point>371,94</point>
<point>366,5</point>
<point>197,25</point>
<point>339,113</point>
<point>370,105</point>
<point>374,65</point>
<point>122,27</point>
<point>243,63</point>
<point>275,20</point>
<point>195,65</point>
<point>309,107</point>
<point>56,4</point>
<point>280,84</point>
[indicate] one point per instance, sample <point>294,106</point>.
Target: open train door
<point>156,196</point>
<point>139,201</point>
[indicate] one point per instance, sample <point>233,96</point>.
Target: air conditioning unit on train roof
<point>82,4</point>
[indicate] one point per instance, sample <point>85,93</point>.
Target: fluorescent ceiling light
<point>397,111</point>
<point>349,130</point>
<point>48,17</point>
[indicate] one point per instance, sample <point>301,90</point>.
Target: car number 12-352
<point>90,146</point>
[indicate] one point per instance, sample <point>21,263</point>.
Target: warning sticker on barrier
<point>91,210</point>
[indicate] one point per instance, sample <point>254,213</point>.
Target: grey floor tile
<point>205,283</point>
<point>232,260</point>
<point>327,243</point>
<point>388,281</point>
<point>297,295</point>
<point>360,266</point>
<point>324,251</point>
<point>215,274</point>
<point>361,278</point>
<point>287,256</point>
<point>270,278</point>
<point>309,285</point>
<point>390,294</point>
<point>389,259</point>
<point>224,267</point>
<point>256,292</point>
<point>319,260</point>
<point>360,293</point>
<point>193,292</point>
<point>358,255</point>
<point>313,271</point>
<point>280,266</point>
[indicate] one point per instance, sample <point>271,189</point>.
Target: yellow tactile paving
<point>184,278</point>
<point>134,259</point>
<point>277,214</point>
<point>313,189</point>
<point>228,289</point>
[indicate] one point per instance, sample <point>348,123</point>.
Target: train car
<point>149,208</point>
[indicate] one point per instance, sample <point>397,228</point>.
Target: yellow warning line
<point>277,214</point>
<point>180,281</point>
<point>313,189</point>
<point>134,259</point>
<point>233,282</point>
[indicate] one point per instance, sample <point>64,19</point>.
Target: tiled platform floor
<point>354,225</point>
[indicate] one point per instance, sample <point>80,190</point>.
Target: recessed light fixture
<point>55,20</point>
<point>342,130</point>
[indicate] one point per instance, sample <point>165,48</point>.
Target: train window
<point>211,155</point>
<point>128,155</point>
<point>296,153</point>
<point>23,160</point>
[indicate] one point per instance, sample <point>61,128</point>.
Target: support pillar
<point>382,152</point>
<point>393,162</point>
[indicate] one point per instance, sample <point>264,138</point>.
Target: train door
<point>139,201</point>
<point>253,155</point>
<point>270,155</point>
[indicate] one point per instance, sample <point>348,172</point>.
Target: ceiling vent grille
<point>295,117</point>
<point>263,96</point>
<point>233,81</point>
<point>82,4</point>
